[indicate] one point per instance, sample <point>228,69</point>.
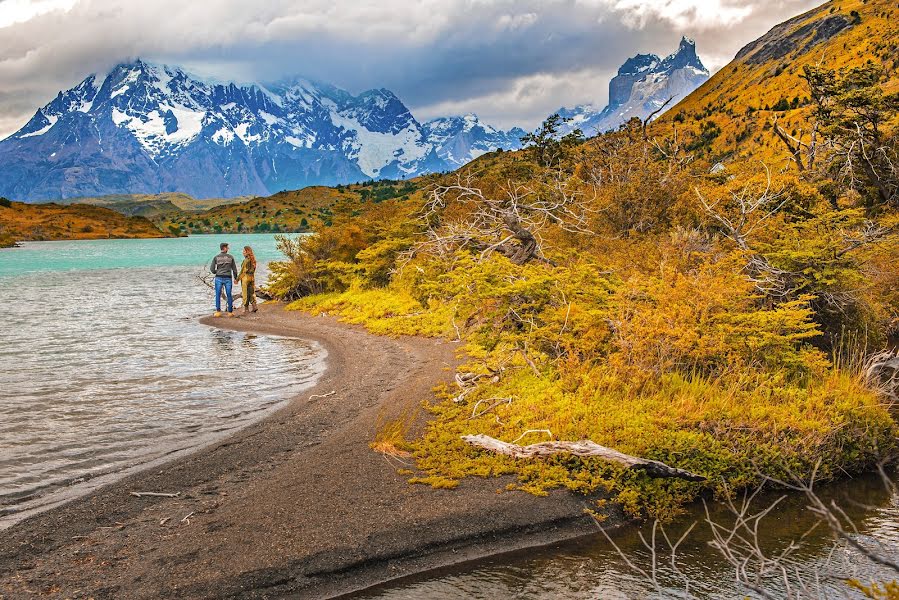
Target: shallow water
<point>103,365</point>
<point>592,567</point>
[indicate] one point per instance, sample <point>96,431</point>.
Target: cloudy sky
<point>511,61</point>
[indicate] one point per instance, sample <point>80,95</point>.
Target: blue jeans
<point>223,282</point>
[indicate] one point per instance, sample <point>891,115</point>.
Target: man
<point>224,268</point>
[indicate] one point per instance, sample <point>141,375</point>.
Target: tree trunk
<point>652,468</point>
<point>527,243</point>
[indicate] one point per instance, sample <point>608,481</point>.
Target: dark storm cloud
<point>512,62</point>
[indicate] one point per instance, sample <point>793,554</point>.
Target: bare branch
<point>652,468</point>
<point>648,119</point>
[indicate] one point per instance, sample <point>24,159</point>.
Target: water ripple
<point>104,369</point>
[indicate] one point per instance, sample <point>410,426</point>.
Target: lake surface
<point>592,568</point>
<point>104,367</point>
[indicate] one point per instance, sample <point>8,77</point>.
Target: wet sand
<point>296,505</point>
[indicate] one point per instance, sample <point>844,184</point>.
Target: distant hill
<point>288,211</point>
<point>38,222</point>
<point>733,111</point>
<point>135,203</point>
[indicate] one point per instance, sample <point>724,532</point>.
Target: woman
<point>248,279</point>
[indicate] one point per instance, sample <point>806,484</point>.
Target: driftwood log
<point>653,468</point>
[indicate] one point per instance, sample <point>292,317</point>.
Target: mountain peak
<point>685,56</point>
<point>640,63</point>
<point>145,127</point>
<point>643,83</point>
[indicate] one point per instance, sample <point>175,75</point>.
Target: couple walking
<point>224,268</point>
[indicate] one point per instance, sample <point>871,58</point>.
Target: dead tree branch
<point>748,210</point>
<point>510,222</point>
<point>881,372</point>
<point>648,119</point>
<point>583,448</point>
<point>803,153</point>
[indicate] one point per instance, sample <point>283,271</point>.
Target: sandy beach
<point>294,505</point>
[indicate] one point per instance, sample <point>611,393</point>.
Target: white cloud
<point>697,15</point>
<point>507,60</point>
<point>512,22</point>
<point>539,95</point>
<point>19,11</point>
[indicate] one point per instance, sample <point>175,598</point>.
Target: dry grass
<point>391,436</point>
<point>27,222</point>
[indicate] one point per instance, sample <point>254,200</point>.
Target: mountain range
<point>645,83</point>
<point>147,128</point>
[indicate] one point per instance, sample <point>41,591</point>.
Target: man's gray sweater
<point>223,265</point>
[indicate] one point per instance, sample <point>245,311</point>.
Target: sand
<point>296,505</point>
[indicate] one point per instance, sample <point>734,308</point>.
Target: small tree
<point>851,111</point>
<point>508,220</point>
<point>548,147</point>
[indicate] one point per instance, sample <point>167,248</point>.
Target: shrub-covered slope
<point>735,109</point>
<point>632,291</point>
<point>288,211</point>
<point>23,222</point>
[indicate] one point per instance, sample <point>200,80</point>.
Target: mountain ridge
<point>644,84</point>
<point>148,128</point>
<point>735,110</point>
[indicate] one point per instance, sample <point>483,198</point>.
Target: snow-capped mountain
<point>148,128</point>
<point>461,139</point>
<point>642,85</point>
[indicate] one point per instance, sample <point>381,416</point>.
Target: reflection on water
<point>592,568</point>
<point>103,369</point>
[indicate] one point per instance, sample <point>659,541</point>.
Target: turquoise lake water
<point>92,255</point>
<point>104,367</point>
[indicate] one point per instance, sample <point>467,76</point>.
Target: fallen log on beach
<point>653,468</point>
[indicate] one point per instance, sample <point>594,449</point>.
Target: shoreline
<point>294,504</point>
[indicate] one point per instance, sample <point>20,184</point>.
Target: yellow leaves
<point>888,590</point>
<point>730,428</point>
<point>707,321</point>
<point>381,311</point>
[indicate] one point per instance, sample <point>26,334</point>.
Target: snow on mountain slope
<point>459,140</point>
<point>643,84</point>
<point>150,128</point>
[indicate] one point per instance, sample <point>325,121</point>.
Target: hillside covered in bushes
<point>677,290</point>
<point>38,222</point>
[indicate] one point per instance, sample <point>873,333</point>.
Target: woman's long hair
<point>248,252</point>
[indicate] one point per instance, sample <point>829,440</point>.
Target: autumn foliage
<point>640,293</point>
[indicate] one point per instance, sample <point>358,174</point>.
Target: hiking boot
<point>217,313</point>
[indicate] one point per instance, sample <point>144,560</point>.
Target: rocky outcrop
<point>644,84</point>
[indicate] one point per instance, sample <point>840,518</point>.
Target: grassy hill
<point>288,211</point>
<point>630,291</point>
<point>733,112</point>
<point>35,222</point>
<point>162,209</point>
<point>136,203</point>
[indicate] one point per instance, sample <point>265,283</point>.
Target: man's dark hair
<point>222,246</point>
